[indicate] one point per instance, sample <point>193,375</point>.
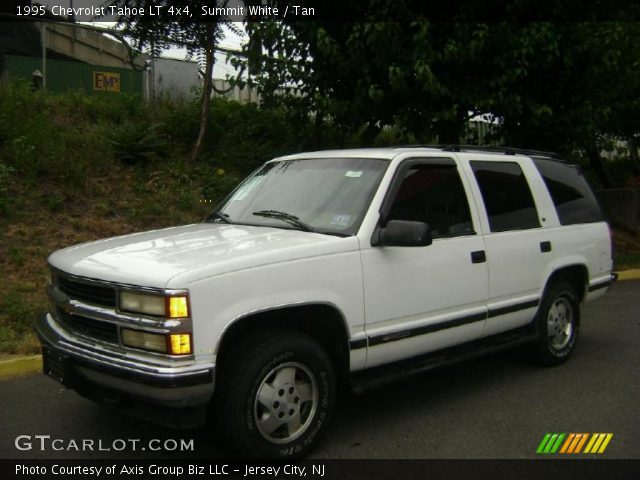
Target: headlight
<point>142,303</point>
<point>156,342</point>
<point>173,344</point>
<point>176,306</point>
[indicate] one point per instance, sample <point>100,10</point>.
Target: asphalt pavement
<point>496,407</point>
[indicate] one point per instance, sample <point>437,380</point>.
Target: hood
<point>192,251</point>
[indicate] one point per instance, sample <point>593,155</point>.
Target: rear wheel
<point>276,395</point>
<point>558,324</point>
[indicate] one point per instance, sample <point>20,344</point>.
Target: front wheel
<point>558,324</point>
<point>276,395</point>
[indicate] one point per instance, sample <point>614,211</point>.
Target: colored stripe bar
<point>573,445</point>
<point>543,443</point>
<point>567,442</point>
<point>574,442</point>
<point>556,446</point>
<point>590,444</point>
<point>550,443</point>
<point>605,443</point>
<point>598,442</point>
<point>581,443</point>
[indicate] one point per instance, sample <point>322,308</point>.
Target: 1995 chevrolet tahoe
<point>349,266</point>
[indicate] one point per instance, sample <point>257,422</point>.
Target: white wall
<point>175,78</point>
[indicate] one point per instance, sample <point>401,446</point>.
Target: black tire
<point>558,322</point>
<point>295,375</point>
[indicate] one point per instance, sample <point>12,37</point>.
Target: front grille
<point>96,294</point>
<point>105,331</point>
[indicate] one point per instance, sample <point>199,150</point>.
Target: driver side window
<point>434,194</point>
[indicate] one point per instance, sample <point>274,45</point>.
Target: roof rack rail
<point>505,150</point>
<point>419,145</point>
<point>485,148</point>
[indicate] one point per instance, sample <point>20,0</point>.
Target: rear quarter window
<point>571,194</point>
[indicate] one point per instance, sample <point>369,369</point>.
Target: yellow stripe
<point>606,442</point>
<point>574,443</point>
<point>590,444</point>
<point>584,439</point>
<point>598,442</point>
<point>567,442</point>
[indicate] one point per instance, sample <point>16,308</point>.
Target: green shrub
<point>18,314</point>
<point>5,179</point>
<point>136,143</point>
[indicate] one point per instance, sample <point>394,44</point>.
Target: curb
<point>19,366</point>
<point>633,274</point>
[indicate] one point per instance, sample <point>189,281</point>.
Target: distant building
<point>174,78</point>
<point>242,95</point>
<point>69,56</point>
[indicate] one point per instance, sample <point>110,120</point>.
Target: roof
<point>388,153</point>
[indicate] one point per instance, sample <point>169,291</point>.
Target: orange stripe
<point>567,442</point>
<point>574,443</point>
<point>584,439</point>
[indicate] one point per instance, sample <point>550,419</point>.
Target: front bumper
<point>98,372</point>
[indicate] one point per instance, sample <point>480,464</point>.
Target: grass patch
<point>61,185</point>
<point>627,261</point>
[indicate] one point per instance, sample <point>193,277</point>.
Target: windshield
<point>327,195</point>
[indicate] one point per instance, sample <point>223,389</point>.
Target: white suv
<point>347,266</point>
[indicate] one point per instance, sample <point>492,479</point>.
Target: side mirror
<point>404,233</point>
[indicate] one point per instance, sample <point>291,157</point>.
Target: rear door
<point>517,249</point>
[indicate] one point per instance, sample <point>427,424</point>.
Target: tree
<point>343,71</point>
<point>160,32</point>
<point>561,86</point>
<point>576,90</point>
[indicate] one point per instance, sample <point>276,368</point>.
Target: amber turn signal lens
<point>180,343</point>
<point>178,307</point>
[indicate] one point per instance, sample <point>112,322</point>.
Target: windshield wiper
<point>286,217</point>
<point>220,216</point>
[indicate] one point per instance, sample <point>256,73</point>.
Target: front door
<point>420,299</point>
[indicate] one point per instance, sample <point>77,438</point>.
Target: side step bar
<point>385,374</point>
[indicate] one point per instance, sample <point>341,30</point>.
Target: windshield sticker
<point>244,190</point>
<point>340,219</point>
<point>352,174</point>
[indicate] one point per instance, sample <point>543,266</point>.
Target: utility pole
<point>43,34</point>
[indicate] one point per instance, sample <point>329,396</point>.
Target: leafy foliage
<point>562,86</point>
<point>137,143</point>
<point>5,179</point>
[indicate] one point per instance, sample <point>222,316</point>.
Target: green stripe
<point>550,443</point>
<point>558,442</point>
<point>543,443</point>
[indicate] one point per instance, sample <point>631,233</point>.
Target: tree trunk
<point>633,153</point>
<point>207,87</point>
<point>599,167</point>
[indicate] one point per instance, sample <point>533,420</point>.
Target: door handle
<point>545,247</point>
<point>479,256</point>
